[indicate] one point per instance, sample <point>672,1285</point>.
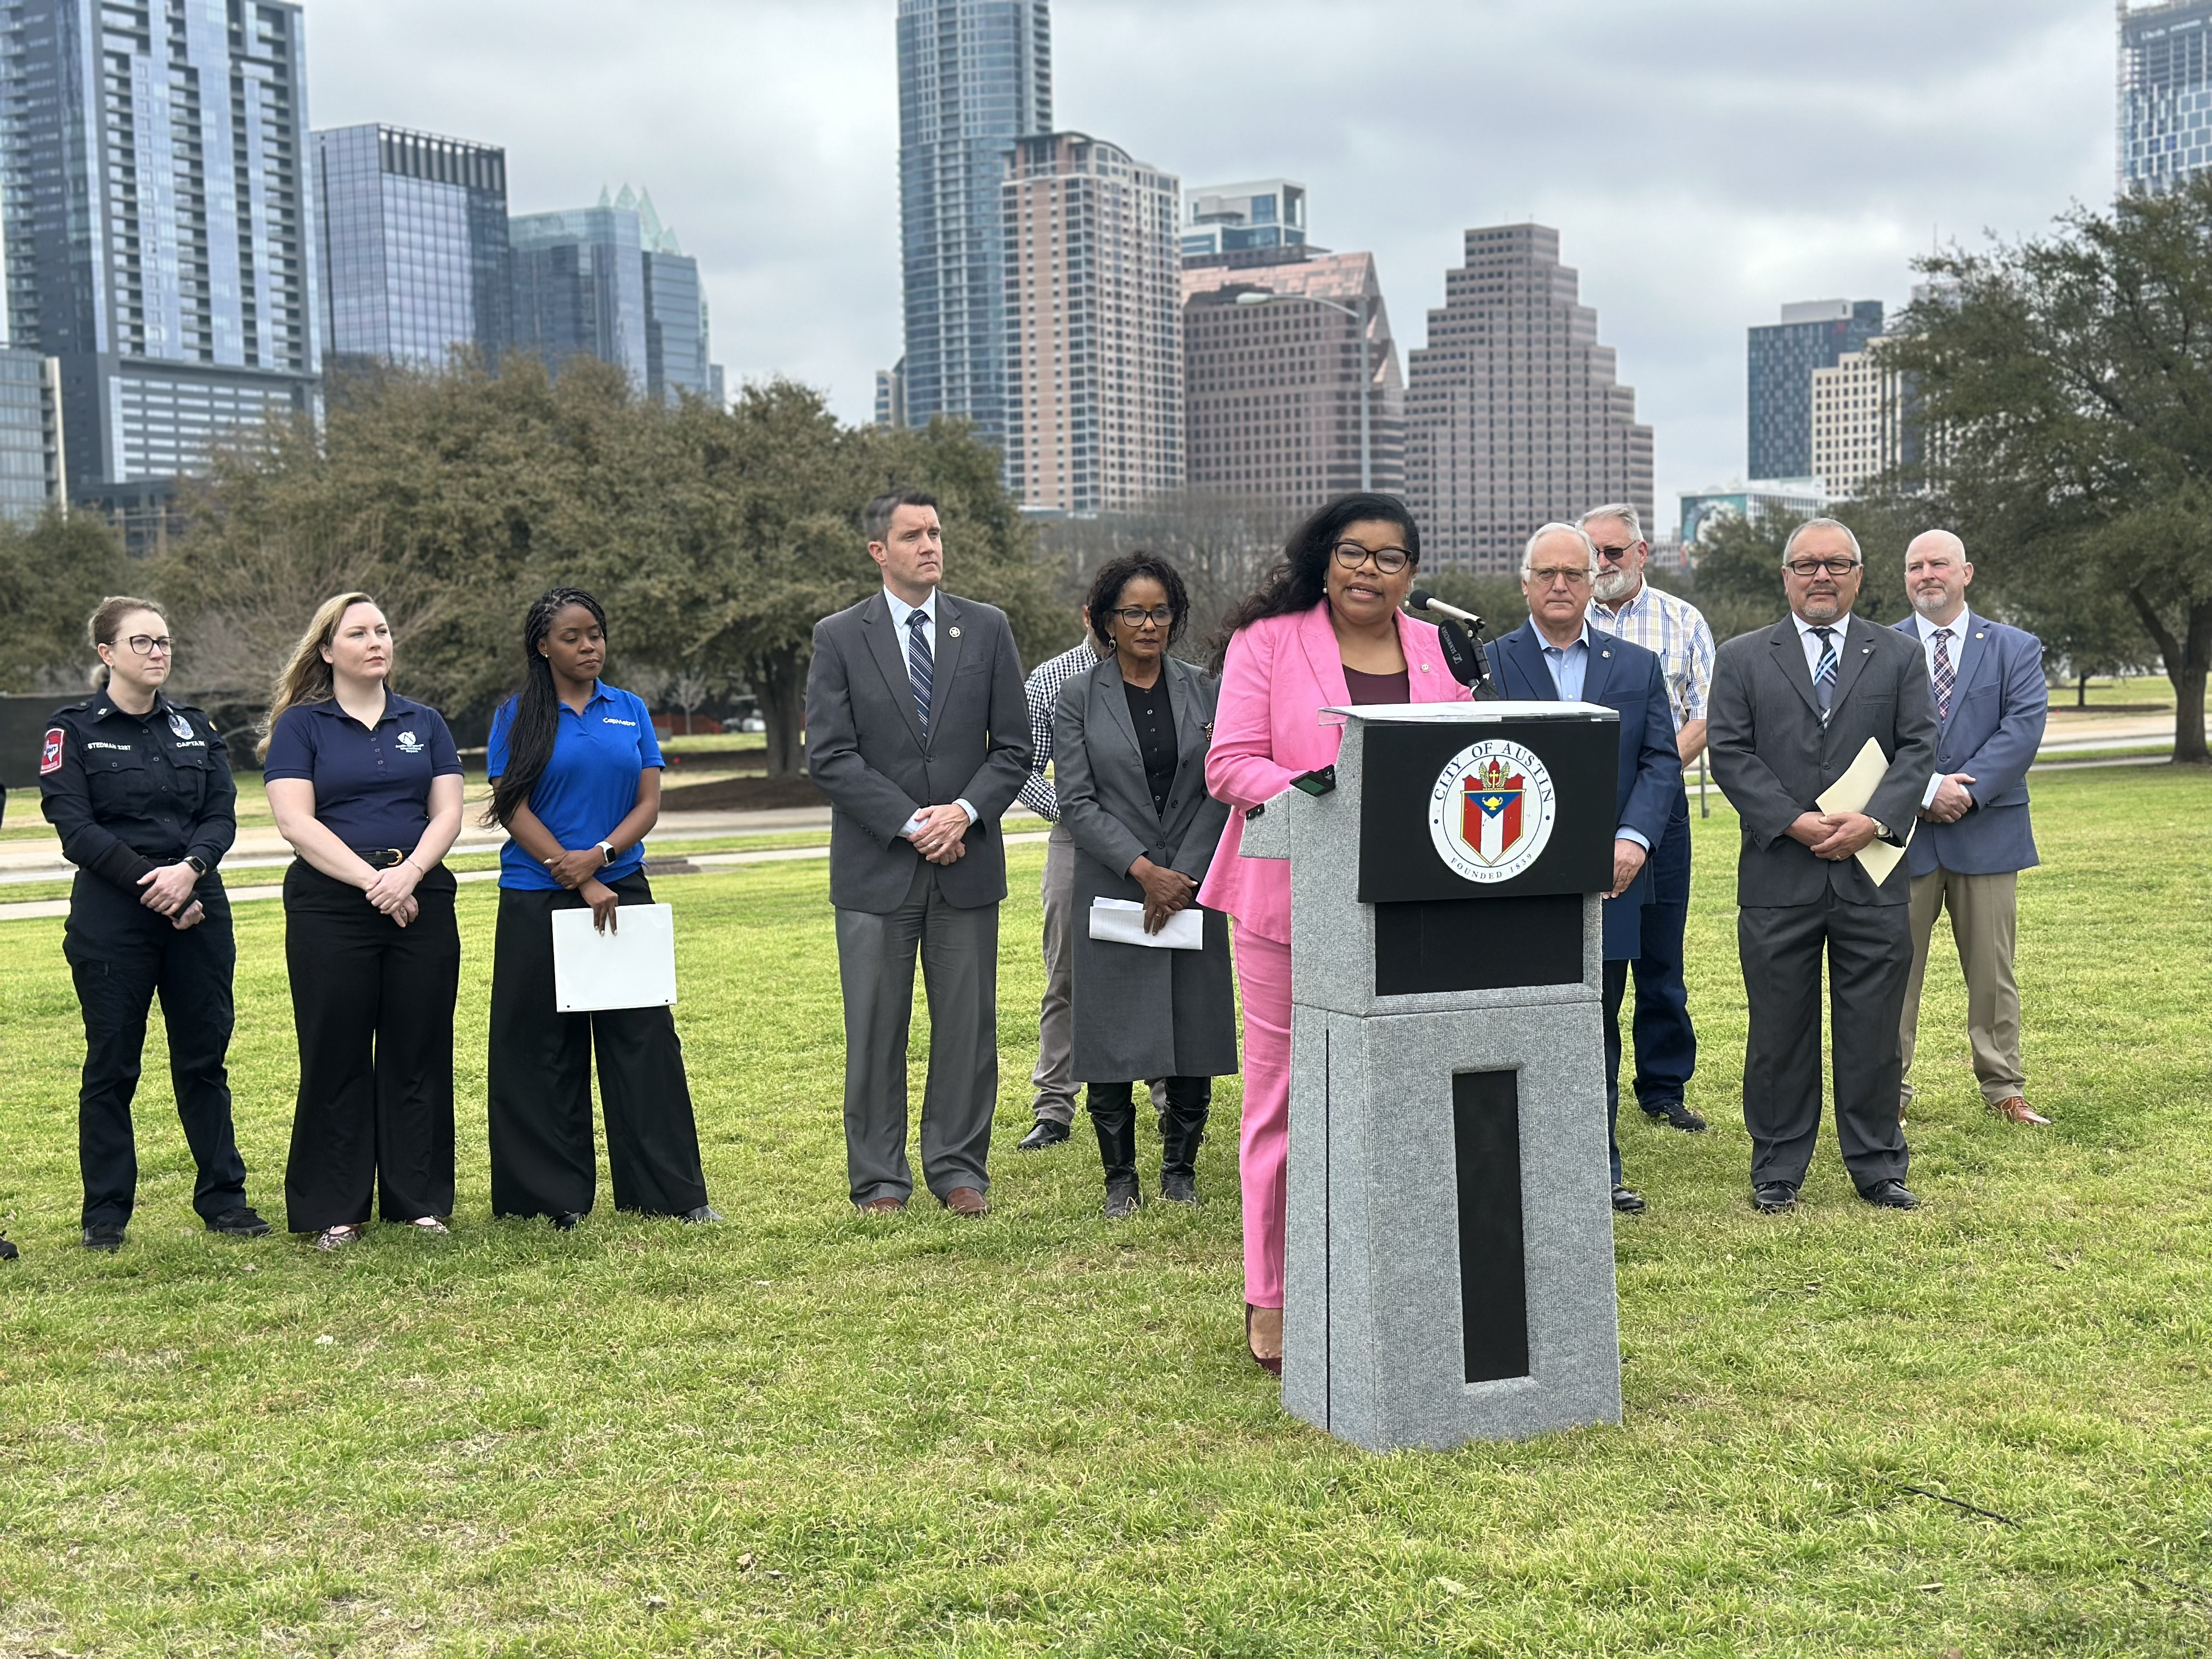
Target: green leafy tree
<point>1736,579</point>
<point>52,575</point>
<point>2070,377</point>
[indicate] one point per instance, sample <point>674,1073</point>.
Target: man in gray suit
<point>918,731</point>
<point>1974,837</point>
<point>1792,706</point>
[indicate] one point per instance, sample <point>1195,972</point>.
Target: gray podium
<point>1450,1266</point>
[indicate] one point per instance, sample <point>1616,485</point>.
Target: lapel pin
<point>1605,653</point>
<point>955,632</point>
<point>1980,634</point>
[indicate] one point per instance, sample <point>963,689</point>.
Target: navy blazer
<point>1630,679</point>
<point>1998,712</point>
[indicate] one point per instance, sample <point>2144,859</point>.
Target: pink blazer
<point>1280,673</point>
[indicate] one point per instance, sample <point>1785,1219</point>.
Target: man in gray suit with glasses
<point>917,730</point>
<point>1792,706</point>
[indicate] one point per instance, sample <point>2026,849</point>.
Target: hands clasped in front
<point>941,837</point>
<point>392,891</point>
<point>1166,892</point>
<point>1834,835</point>
<point>167,892</point>
<point>1952,801</point>
<point>578,870</point>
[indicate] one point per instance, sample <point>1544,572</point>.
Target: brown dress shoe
<point>2020,1111</point>
<point>882,1206</point>
<point>966,1201</point>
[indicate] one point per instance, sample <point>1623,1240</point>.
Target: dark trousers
<point>1666,1042</point>
<point>959,951</point>
<point>1870,952</point>
<point>543,1160</point>
<point>1112,1107</point>
<point>373,1004</point>
<point>121,956</point>
<point>1616,986</point>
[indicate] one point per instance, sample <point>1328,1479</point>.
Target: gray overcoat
<point>1141,1012</point>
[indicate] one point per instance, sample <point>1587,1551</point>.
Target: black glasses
<point>1135,615</point>
<point>1806,569</point>
<point>1616,554</point>
<point>146,645</point>
<point>1388,560</point>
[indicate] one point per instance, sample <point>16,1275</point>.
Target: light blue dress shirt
<point>1570,667</point>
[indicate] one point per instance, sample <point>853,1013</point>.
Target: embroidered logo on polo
<point>409,744</point>
<point>609,719</point>
<point>1492,812</point>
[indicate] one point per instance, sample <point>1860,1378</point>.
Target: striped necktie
<point>1824,671</point>
<point>1946,681</point>
<point>919,666</point>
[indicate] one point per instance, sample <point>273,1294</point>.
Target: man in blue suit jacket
<point>1973,837</point>
<point>1554,657</point>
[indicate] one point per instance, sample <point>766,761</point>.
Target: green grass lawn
<point>800,1433</point>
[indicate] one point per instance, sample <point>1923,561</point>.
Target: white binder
<point>632,966</point>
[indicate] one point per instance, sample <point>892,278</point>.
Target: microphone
<point>1421,600</point>
<point>1459,633</point>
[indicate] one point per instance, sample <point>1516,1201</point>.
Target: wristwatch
<point>607,853</point>
<point>199,864</point>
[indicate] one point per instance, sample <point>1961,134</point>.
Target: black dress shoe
<point>1890,1196</point>
<point>105,1236</point>
<point>1627,1200</point>
<point>8,1252</point>
<point>1046,1133</point>
<point>568,1221</point>
<point>1676,1115</point>
<point>1773,1197</point>
<point>701,1217</point>
<point>240,1222</point>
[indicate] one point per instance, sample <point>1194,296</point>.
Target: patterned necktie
<point>919,668</point>
<point>1824,671</point>
<point>1946,681</point>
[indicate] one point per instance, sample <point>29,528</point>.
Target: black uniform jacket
<point>130,793</point>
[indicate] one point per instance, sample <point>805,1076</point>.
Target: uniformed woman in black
<point>140,790</point>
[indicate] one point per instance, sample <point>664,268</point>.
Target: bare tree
<point>1221,543</point>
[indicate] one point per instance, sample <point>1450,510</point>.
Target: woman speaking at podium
<point>1323,630</point>
<point>576,781</point>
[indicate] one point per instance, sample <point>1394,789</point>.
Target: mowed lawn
<point>801,1433</point>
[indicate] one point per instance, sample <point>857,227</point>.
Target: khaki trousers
<point>1984,913</point>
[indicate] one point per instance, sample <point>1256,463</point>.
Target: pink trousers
<point>1263,974</point>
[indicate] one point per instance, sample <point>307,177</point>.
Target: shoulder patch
<point>49,756</point>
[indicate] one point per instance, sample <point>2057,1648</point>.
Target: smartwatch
<point>607,853</point>
<point>199,864</point>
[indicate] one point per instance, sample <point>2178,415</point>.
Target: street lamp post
<point>1362,315</point>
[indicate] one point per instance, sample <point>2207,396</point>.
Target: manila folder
<point>631,966</point>
<point>1850,793</point>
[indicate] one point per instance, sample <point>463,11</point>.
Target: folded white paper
<point>633,966</point>
<point>1123,922</point>
<point>1850,793</point>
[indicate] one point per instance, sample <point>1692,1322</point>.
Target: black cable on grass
<point>1956,1503</point>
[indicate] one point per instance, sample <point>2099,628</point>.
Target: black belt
<point>378,857</point>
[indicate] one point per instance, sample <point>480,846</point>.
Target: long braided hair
<point>537,721</point>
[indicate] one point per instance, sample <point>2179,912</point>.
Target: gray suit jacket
<point>865,749</point>
<point>1773,757</point>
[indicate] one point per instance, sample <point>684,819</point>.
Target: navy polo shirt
<point>587,787</point>
<point>372,787</point>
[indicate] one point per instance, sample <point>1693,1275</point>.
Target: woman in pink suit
<point>1324,630</point>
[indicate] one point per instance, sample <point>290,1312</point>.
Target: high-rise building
<point>890,395</point>
<point>1514,414</point>
<point>1095,404</point>
<point>1261,218</point>
<point>32,462</point>
<point>1799,498</point>
<point>611,282</point>
<point>1860,428</point>
<point>973,75</point>
<point>159,223</point>
<point>2165,92</point>
<point>1781,361</point>
<point>414,241</point>
<point>1272,381</point>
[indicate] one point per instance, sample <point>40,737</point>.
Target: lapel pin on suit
<point>955,632</point>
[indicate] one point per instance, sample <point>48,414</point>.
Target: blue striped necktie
<point>1824,671</point>
<point>919,666</point>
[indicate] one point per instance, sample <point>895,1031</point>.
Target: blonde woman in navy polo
<point>576,781</point>
<point>366,786</point>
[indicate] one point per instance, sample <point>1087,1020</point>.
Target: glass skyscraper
<point>973,76</point>
<point>159,230</point>
<point>30,434</point>
<point>611,282</point>
<point>413,245</point>
<point>1780,360</point>
<point>2166,91</point>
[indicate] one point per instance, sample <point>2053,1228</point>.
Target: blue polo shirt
<point>371,787</point>
<point>587,787</point>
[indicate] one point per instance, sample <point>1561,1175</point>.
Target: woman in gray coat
<point>1129,743</point>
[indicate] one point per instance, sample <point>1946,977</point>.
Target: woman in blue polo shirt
<point>576,781</point>
<point>366,786</point>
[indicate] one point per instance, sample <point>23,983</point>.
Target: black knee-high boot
<point>1183,1128</point>
<point>1114,1115</point>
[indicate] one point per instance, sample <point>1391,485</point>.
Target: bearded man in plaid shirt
<point>1624,606</point>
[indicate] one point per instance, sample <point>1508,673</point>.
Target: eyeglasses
<point>1806,569</point>
<point>146,645</point>
<point>1135,615</point>
<point>1388,560</point>
<point>1616,554</point>
<point>1572,578</point>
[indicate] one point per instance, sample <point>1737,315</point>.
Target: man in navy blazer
<point>1555,657</point>
<point>1973,837</point>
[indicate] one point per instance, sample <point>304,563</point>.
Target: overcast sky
<point>1705,161</point>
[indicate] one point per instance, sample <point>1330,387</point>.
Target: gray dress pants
<point>959,951</point>
<point>1054,1077</point>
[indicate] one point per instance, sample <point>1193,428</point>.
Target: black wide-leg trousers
<point>542,1157</point>
<point>374,1003</point>
<point>122,955</point>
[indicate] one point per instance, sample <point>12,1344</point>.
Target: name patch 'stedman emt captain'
<point>139,789</point>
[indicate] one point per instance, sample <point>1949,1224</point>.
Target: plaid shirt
<point>1674,629</point>
<point>1043,691</point>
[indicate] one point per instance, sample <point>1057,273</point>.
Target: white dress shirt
<point>1957,627</point>
<point>900,611</point>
